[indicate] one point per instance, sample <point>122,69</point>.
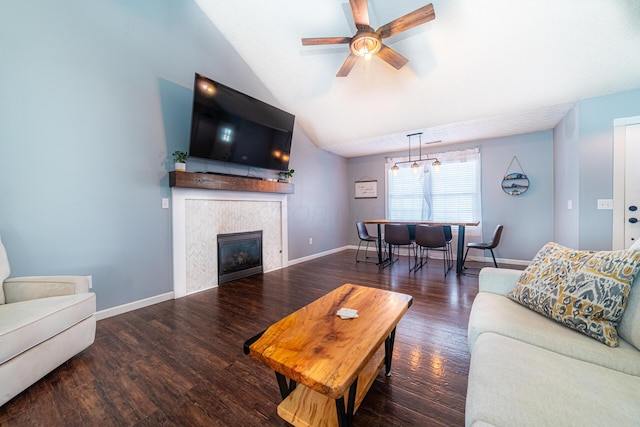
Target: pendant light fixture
<point>415,166</point>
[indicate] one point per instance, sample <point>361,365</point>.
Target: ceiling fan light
<point>365,44</point>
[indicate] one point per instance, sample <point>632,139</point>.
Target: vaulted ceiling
<point>481,69</point>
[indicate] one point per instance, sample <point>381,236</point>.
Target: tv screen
<point>229,126</point>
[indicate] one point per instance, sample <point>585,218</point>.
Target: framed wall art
<point>366,189</point>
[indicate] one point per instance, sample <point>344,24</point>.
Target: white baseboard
<point>500,261</point>
<point>318,255</point>
<point>124,308</point>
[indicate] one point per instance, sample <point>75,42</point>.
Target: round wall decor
<point>515,183</point>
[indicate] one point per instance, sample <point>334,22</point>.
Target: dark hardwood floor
<point>180,363</point>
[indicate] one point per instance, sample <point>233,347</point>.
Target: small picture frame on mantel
<point>366,189</point>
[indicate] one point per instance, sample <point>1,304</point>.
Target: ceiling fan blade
<point>392,57</point>
<point>360,10</point>
<point>310,41</point>
<point>347,66</point>
<point>408,21</point>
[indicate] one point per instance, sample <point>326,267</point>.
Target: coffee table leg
<point>388,351</point>
<point>345,418</point>
<point>285,389</point>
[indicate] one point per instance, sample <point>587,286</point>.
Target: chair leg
<point>414,257</point>
<point>366,251</point>
<point>391,260</point>
<point>444,264</point>
<point>447,262</point>
<point>465,257</point>
<point>494,258</point>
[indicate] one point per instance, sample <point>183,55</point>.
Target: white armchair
<point>44,321</point>
<point>27,288</point>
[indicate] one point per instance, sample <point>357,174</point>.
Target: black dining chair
<point>490,245</point>
<point>432,238</point>
<point>364,236</point>
<point>396,235</point>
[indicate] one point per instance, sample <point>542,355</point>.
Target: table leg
<point>345,417</point>
<point>388,352</point>
<point>379,244</point>
<point>460,249</point>
<point>285,389</point>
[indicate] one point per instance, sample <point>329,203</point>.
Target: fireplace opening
<point>239,255</point>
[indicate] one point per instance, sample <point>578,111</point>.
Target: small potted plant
<point>289,174</point>
<point>180,160</point>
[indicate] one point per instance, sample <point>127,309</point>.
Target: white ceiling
<point>481,69</point>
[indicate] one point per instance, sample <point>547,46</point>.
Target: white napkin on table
<point>347,313</point>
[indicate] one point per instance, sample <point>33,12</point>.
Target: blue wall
<point>94,94</point>
<point>596,117</point>
<point>584,169</point>
<point>566,137</point>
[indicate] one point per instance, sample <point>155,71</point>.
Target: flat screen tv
<point>229,126</point>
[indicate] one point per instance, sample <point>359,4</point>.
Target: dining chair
<point>396,235</point>
<point>490,245</point>
<point>364,236</point>
<point>432,238</point>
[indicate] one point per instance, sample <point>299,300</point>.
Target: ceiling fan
<point>366,42</point>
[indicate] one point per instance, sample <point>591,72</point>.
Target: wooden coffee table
<point>330,362</point>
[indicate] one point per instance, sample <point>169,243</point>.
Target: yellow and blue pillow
<point>584,290</point>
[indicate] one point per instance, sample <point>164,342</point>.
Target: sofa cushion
<point>513,383</point>
<point>586,291</point>
<point>493,313</point>
<point>4,269</point>
<point>29,323</point>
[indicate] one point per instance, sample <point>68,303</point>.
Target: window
<point>450,194</point>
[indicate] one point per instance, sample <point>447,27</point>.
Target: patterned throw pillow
<point>586,291</point>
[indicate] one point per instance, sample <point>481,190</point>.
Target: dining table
<point>461,230</point>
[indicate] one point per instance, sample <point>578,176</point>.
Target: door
<point>632,186</point>
<point>626,182</point>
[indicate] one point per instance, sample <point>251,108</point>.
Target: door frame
<point>619,160</point>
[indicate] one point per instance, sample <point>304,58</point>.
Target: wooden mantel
<point>212,181</point>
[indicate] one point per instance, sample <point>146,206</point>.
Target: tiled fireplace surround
<point>199,215</point>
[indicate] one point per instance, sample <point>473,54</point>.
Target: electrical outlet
<point>569,204</point>
<point>90,279</point>
<point>165,203</point>
<point>605,204</point>
<point>311,240</point>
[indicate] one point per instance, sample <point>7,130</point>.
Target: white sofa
<point>529,370</point>
<point>44,321</point>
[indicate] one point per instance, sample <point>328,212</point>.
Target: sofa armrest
<point>499,281</point>
<point>33,287</point>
